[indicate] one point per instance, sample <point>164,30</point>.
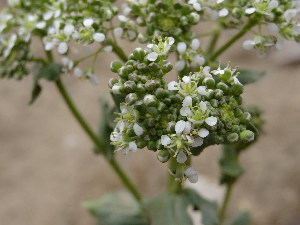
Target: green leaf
<point>229,164</point>
<point>36,91</point>
<point>50,72</point>
<point>118,208</point>
<point>242,218</point>
<point>168,209</point>
<point>209,210</point>
<point>249,76</point>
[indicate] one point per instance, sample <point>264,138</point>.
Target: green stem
<point>214,40</point>
<point>225,202</point>
<point>174,186</point>
<point>118,50</point>
<point>251,23</point>
<point>121,174</point>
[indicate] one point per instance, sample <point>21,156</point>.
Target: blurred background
<point>47,167</point>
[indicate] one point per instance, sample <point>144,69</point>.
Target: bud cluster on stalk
<point>176,119</point>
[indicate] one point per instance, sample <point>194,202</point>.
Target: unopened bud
<point>163,156</point>
<point>233,137</point>
<point>129,86</point>
<point>209,82</point>
<point>118,89</point>
<point>150,100</point>
<point>115,66</point>
<point>112,82</point>
<point>131,98</point>
<point>150,85</point>
<point>237,89</point>
<point>247,136</point>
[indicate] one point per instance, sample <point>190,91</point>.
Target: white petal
<point>199,60</point>
<point>184,111</point>
<point>62,48</point>
<point>180,65</point>
<point>122,18</point>
<point>69,29</point>
<point>186,79</point>
<point>179,127</point>
<point>172,86</point>
<point>248,44</point>
<point>223,12</point>
<point>188,127</point>
<point>114,137</point>
<point>181,157</point>
<point>273,4</point>
<point>138,130</point>
<point>211,121</point>
<point>152,56</point>
<point>188,101</point>
<point>203,106</point>
<point>94,79</point>
<point>202,90</point>
<point>250,10</point>
<point>203,132</point>
<point>118,32</point>
<point>108,48</point>
<point>195,45</point>
<point>181,47</point>
<point>78,72</point>
<point>132,146</point>
<point>197,142</point>
<point>171,40</point>
<point>165,140</point>
<point>99,37</point>
<point>273,27</point>
<point>88,22</point>
<point>190,172</point>
<point>193,178</point>
<point>41,25</point>
<point>49,46</point>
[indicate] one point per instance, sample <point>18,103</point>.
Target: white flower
<point>248,44</point>
<point>179,127</point>
<point>165,140</point>
<point>192,175</point>
<point>223,12</point>
<point>202,90</point>
<point>187,101</point>
<point>203,106</point>
<point>152,56</point>
<point>48,15</point>
<point>69,29</point>
<point>138,130</point>
<point>49,46</point>
<point>203,133</point>
<point>181,157</point>
<point>132,146</point>
<point>273,4</point>
<point>173,86</point>
<point>180,65</point>
<point>197,142</point>
<point>250,10</point>
<point>88,22</point>
<point>211,121</point>
<point>196,5</point>
<point>187,127</point>
<point>171,40</point>
<point>185,111</point>
<point>290,14</point>
<point>99,37</point>
<point>41,25</point>
<point>62,48</point>
<point>78,72</point>
<point>181,47</point>
<point>195,45</point>
<point>199,60</point>
<point>186,79</point>
<point>123,18</point>
<point>218,71</point>
<point>118,32</point>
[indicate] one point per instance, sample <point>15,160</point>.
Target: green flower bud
<point>167,67</point>
<point>150,85</point>
<point>112,82</point>
<point>167,101</point>
<point>118,89</point>
<point>218,94</point>
<point>139,54</point>
<point>142,67</point>
<point>133,76</point>
<point>141,143</point>
<point>227,75</point>
<point>152,110</point>
<point>247,136</point>
<point>129,86</point>
<point>238,112</point>
<point>224,87</point>
<point>214,103</point>
<point>218,139</point>
<point>161,93</point>
<point>140,88</point>
<point>237,12</point>
<point>163,156</point>
<point>143,79</point>
<point>209,82</point>
<point>161,107</point>
<point>237,89</point>
<point>235,129</point>
<point>152,145</point>
<point>154,67</point>
<point>131,132</point>
<point>131,98</point>
<point>233,137</point>
<point>115,66</point>
<point>171,126</point>
<point>150,100</point>
<point>123,72</point>
<point>194,18</point>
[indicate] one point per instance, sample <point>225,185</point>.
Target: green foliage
<point>231,169</point>
<point>209,210</point>
<point>242,218</point>
<point>249,76</point>
<point>118,208</point>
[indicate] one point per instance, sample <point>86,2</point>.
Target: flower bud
<point>142,67</point>
<point>118,89</point>
<point>194,18</point>
<point>140,88</point>
<point>237,89</point>
<point>141,143</point>
<point>163,156</point>
<point>161,107</point>
<point>150,85</point>
<point>123,72</point>
<point>154,67</point>
<point>233,137</point>
<point>246,136</point>
<point>224,87</point>
<point>161,93</point>
<point>209,82</point>
<point>129,86</point>
<point>133,77</point>
<point>115,66</point>
<point>167,67</point>
<point>131,98</point>
<point>235,129</point>
<point>218,94</point>
<point>171,126</point>
<point>150,100</point>
<point>214,103</point>
<point>152,145</point>
<point>237,13</point>
<point>112,82</point>
<point>139,54</point>
<point>143,79</point>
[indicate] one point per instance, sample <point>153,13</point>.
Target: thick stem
<point>174,186</point>
<point>222,212</point>
<point>126,181</point>
<point>251,23</point>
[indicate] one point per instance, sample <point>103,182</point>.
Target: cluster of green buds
<point>57,23</point>
<point>180,118</point>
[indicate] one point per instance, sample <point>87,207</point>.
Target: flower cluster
<point>57,23</point>
<point>177,119</point>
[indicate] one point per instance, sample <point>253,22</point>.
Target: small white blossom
<point>69,29</point>
<point>211,121</point>
<point>181,47</point>
<point>199,60</point>
<point>250,10</point>
<point>202,90</point>
<point>138,130</point>
<point>195,45</point>
<point>188,101</point>
<point>223,12</point>
<point>203,133</point>
<point>181,157</point>
<point>62,48</point>
<point>118,32</point>
<point>78,72</point>
<point>179,127</point>
<point>173,86</point>
<point>185,111</point>
<point>165,140</point>
<point>88,22</point>
<point>99,37</point>
<point>180,65</point>
<point>248,44</point>
<point>152,56</point>
<point>186,79</point>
